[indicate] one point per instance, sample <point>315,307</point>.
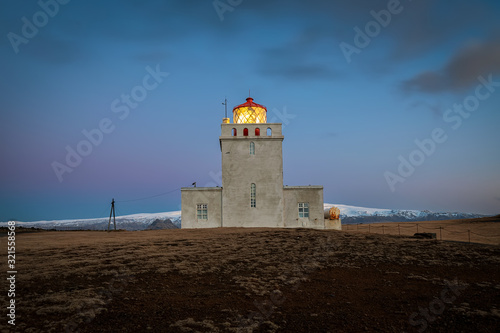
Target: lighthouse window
<point>234,131</point>
<point>269,131</point>
<point>257,131</point>
<point>202,211</point>
<point>253,202</point>
<point>252,148</point>
<point>303,209</point>
<point>245,132</point>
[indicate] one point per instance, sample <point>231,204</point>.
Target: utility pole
<point>112,212</point>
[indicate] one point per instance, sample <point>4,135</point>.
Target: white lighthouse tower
<point>252,193</point>
<point>252,168</point>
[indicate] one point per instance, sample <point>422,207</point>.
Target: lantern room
<point>249,113</point>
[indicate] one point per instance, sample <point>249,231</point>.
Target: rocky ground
<point>251,280</point>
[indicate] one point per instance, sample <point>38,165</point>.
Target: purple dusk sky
<point>389,104</point>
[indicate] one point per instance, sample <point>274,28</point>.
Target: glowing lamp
<point>249,113</point>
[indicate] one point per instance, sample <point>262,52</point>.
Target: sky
<point>387,104</point>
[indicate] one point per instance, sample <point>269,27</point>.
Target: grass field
<point>481,230</point>
<point>252,280</point>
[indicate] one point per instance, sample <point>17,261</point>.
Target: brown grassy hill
<point>244,280</point>
<point>485,230</point>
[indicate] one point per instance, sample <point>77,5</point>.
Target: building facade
<point>252,192</point>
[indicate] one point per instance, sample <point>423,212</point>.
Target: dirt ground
<point>251,280</point>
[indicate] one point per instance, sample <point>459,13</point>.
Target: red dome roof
<point>250,103</point>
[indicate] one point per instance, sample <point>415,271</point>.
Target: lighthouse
<point>252,168</point>
<point>252,192</point>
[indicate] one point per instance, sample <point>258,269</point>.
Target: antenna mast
<point>225,104</point>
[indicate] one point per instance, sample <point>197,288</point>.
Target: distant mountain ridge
<point>128,222</point>
<point>162,224</point>
<point>169,220</point>
<point>354,215</point>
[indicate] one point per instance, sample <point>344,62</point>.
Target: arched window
<point>257,131</point>
<point>252,148</point>
<point>245,132</point>
<point>253,202</point>
<point>233,132</point>
<point>269,131</point>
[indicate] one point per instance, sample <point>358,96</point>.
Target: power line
<point>150,197</point>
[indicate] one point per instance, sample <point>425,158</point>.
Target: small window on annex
<point>252,148</point>
<point>202,211</point>
<point>303,209</point>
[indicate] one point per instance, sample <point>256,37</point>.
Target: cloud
<point>329,135</point>
<point>302,58</point>
<point>152,57</point>
<point>428,81</point>
<point>461,71</point>
<point>52,50</point>
<point>437,109</point>
<point>425,25</point>
<point>473,60</point>
<point>421,28</point>
<point>300,71</point>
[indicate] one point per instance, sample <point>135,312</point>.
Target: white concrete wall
<point>226,130</point>
<point>310,194</point>
<point>240,170</point>
<point>333,224</point>
<point>191,196</point>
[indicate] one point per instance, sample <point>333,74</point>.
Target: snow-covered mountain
<point>127,222</point>
<point>353,214</point>
<point>348,214</point>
